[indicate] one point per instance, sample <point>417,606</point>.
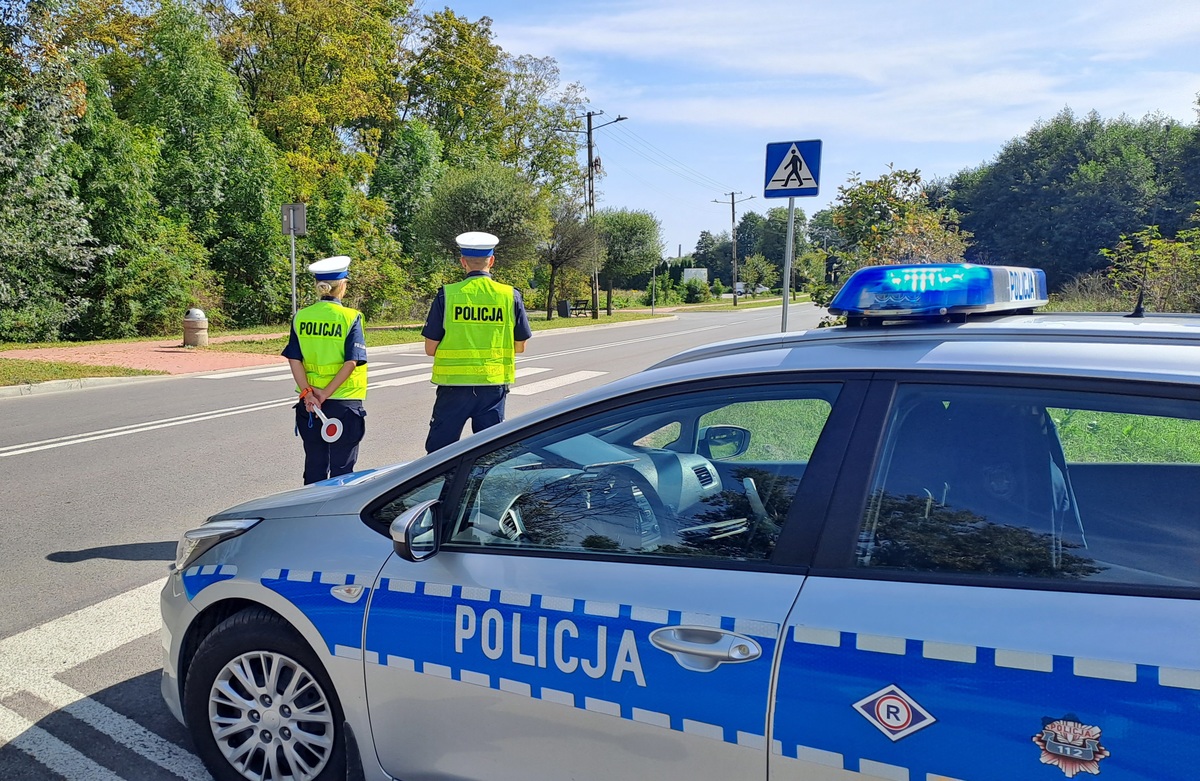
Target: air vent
<point>705,476</point>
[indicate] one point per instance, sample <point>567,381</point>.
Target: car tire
<point>259,704</point>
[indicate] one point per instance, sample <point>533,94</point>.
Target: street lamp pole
<point>590,197</point>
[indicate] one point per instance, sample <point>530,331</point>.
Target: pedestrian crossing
<point>416,371</point>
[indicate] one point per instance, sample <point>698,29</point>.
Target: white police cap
<point>331,269</point>
<point>476,244</point>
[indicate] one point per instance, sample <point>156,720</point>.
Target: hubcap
<point>261,688</point>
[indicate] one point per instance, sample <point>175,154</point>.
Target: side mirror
<point>414,532</point>
<point>720,442</point>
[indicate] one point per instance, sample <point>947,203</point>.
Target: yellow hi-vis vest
<point>322,329</point>
<point>478,348</point>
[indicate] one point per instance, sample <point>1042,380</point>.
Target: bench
<point>581,307</point>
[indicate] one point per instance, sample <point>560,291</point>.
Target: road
<point>99,484</point>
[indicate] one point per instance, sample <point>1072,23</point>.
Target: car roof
<point>1102,345</point>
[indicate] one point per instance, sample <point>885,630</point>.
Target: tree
<point>889,220</point>
<point>45,244</point>
<point>756,271</point>
<point>1166,272</point>
<point>715,253</point>
<point>405,175</point>
<point>773,242</point>
<point>750,230</point>
<point>154,270</point>
<point>1070,187</point>
<point>572,244</point>
<point>632,242</point>
<point>537,122</point>
<point>455,82</point>
<point>218,173</point>
<point>315,73</point>
<point>487,197</point>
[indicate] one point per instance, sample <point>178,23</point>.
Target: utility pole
<point>733,235</point>
<point>590,197</point>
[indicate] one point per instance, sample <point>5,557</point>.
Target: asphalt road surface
<point>99,483</point>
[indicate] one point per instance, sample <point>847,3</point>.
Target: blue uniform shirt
<point>435,323</point>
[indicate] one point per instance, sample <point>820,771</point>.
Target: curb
<point>58,386</point>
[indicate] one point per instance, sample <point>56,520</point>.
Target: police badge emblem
<point>1070,745</point>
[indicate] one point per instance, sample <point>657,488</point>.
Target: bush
<point>695,292</point>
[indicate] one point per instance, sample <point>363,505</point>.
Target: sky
<point>934,85</point>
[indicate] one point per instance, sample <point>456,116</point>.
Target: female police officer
<point>328,356</point>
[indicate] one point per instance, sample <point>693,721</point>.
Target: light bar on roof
<point>939,289</point>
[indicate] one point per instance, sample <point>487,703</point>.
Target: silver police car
<point>952,539</point>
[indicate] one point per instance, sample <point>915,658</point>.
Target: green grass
<point>744,302</point>
<point>17,371</point>
<point>1090,436</point>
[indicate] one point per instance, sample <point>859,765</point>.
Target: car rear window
<point>1025,484</point>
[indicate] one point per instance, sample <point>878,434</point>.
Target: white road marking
<point>371,371</point>
<point>185,418</point>
<point>553,382</point>
<point>573,351</point>
<point>49,750</point>
<point>524,371</point>
<point>33,447</point>
<point>68,641</point>
<point>245,372</point>
<point>31,660</point>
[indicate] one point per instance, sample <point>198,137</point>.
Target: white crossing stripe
<point>30,660</point>
<point>524,371</point>
<point>243,372</point>
<point>554,382</point>
<point>372,371</point>
<point>49,750</point>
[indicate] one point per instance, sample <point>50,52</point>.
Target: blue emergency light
<point>931,290</point>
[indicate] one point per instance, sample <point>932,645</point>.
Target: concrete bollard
<point>195,328</point>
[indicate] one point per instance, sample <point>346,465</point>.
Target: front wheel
<point>259,705</point>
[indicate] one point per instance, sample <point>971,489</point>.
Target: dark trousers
<point>483,405</point>
<point>330,459</point>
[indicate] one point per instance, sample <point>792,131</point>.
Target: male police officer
<point>327,353</point>
<point>474,330</point>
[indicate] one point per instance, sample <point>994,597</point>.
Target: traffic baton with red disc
<point>331,428</point>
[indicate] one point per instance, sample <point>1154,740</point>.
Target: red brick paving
<point>167,355</point>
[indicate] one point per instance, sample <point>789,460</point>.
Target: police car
<point>953,539</point>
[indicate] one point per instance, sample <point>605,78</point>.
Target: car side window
<point>1026,484</point>
<point>648,479</point>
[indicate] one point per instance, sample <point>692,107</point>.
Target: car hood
<point>303,501</point>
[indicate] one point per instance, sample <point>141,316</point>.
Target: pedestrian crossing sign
<point>793,169</point>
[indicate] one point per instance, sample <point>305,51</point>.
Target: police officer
<point>328,356</point>
<point>474,330</point>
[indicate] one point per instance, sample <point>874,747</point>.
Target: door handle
<point>703,648</point>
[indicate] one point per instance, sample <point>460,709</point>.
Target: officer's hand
<point>318,396</point>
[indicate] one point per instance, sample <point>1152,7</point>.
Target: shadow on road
<point>134,551</point>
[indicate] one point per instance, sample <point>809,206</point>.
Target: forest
<point>147,148</point>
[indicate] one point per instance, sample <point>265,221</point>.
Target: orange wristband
<point>305,392</point>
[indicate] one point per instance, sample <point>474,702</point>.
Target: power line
<point>660,155</point>
<point>683,173</point>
